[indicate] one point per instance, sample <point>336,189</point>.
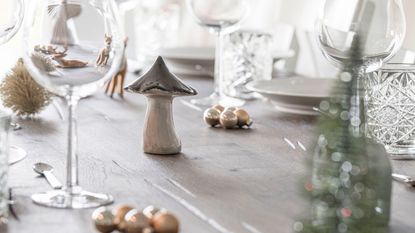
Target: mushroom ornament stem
<point>159,136</point>
<point>160,86</point>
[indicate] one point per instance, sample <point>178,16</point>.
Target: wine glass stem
<point>72,156</point>
<point>218,66</point>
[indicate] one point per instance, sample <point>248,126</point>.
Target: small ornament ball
<point>150,211</point>
<point>119,212</point>
<point>212,116</point>
<point>243,118</point>
<point>136,222</point>
<point>104,220</point>
<point>165,222</point>
<point>228,119</point>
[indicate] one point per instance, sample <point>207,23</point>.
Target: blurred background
<point>155,24</point>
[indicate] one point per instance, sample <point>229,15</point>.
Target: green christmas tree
<point>350,180</point>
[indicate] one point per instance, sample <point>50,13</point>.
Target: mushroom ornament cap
<point>158,80</point>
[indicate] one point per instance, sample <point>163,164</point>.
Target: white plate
<point>16,154</point>
<point>296,95</point>
<point>294,111</point>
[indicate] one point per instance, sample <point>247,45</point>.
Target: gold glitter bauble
<point>165,222</point>
<point>119,212</point>
<point>104,220</point>
<point>228,119</point>
<point>211,117</point>
<point>150,211</point>
<point>136,222</point>
<point>243,118</point>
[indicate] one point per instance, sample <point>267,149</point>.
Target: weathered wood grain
<point>238,178</point>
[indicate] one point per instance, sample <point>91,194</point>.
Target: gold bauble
<point>228,119</point>
<point>243,118</point>
<point>119,212</point>
<point>104,220</point>
<point>165,222</point>
<point>150,211</point>
<point>136,222</point>
<point>211,117</point>
<point>220,108</point>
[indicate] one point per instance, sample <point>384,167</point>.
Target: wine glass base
<point>214,98</point>
<point>65,200</point>
<point>231,102</point>
<point>207,101</point>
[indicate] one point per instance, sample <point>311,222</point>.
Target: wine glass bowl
<point>11,18</point>
<point>219,16</point>
<point>72,47</point>
<point>380,25</point>
<point>57,45</point>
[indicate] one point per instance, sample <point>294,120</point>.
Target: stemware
<point>72,48</point>
<point>220,17</point>
<point>380,25</point>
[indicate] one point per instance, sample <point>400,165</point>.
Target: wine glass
<point>219,17</point>
<point>379,24</point>
<point>72,48</point>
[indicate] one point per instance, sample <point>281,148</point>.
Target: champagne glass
<point>220,17</point>
<point>380,25</point>
<point>72,47</point>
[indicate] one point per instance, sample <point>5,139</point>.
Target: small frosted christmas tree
<point>350,180</point>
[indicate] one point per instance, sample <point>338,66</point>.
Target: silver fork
<point>404,179</point>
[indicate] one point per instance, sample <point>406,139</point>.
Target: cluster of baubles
<point>228,118</point>
<point>127,219</point>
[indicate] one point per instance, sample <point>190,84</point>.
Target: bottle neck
<point>357,106</point>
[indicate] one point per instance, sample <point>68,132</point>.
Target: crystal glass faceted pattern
<point>247,56</point>
<point>390,99</point>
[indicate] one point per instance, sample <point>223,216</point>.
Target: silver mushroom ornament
<point>160,86</point>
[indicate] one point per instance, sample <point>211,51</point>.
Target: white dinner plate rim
<point>253,86</point>
<point>167,53</point>
<point>302,112</point>
<point>20,151</point>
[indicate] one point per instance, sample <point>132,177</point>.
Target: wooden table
<point>244,180</point>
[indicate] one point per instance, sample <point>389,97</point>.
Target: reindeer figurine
<point>117,82</point>
<point>104,53</point>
